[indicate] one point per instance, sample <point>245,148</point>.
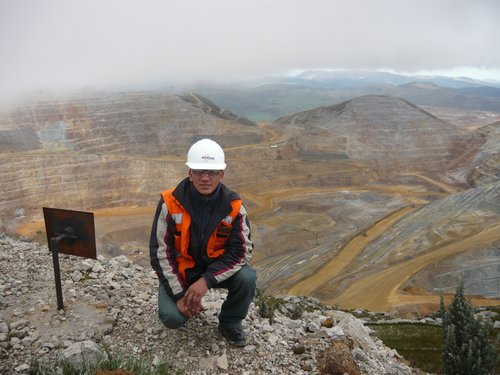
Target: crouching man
<point>200,239</point>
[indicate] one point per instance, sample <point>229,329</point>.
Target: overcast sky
<point>65,44</point>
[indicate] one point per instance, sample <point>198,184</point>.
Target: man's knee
<point>168,313</point>
<point>248,274</point>
<point>171,321</point>
<point>246,277</point>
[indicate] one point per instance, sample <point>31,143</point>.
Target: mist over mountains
<point>272,97</point>
<point>370,190</point>
<point>349,79</point>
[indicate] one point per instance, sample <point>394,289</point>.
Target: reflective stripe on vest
<point>182,219</point>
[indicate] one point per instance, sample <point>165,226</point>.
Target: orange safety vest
<point>182,219</point>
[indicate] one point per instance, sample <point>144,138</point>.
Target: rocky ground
<point>111,303</point>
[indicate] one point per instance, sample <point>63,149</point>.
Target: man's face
<point>205,181</point>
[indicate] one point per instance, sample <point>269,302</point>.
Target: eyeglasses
<point>201,172</point>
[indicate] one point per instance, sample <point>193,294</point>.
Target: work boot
<point>233,335</point>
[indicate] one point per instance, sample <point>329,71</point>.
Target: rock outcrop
<point>112,302</point>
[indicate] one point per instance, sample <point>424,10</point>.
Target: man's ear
<point>221,175</point>
<point>190,174</point>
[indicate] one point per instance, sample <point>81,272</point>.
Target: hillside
<point>319,186</point>
<point>485,165</point>
<point>78,152</point>
<point>113,304</point>
<point>458,235</point>
<point>388,132</point>
<point>101,123</point>
<point>445,228</point>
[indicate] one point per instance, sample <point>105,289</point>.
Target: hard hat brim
<point>207,166</point>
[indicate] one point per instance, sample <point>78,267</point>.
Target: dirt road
<point>382,291</point>
<point>341,262</point>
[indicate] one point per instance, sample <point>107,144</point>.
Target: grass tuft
<point>107,362</point>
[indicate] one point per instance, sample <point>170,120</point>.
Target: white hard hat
<point>206,154</point>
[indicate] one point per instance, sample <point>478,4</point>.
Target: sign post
<point>68,232</point>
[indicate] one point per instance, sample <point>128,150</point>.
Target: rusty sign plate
<point>75,230</point>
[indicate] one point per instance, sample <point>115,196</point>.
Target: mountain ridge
<point>272,97</point>
<point>387,130</point>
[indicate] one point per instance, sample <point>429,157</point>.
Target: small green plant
<point>85,276</point>
<point>292,309</point>
<point>267,305</point>
<point>117,361</point>
<point>296,312</point>
<point>466,345</point>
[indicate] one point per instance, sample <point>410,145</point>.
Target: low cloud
<point>58,45</point>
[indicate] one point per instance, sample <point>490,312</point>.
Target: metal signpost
<point>68,232</point>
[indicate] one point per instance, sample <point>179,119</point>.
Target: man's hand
<point>187,311</point>
<point>194,294</point>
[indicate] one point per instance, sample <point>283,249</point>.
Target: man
<point>200,240</point>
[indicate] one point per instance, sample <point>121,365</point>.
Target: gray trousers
<point>241,290</point>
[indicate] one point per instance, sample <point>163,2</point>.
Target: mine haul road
<point>348,253</point>
<point>383,291</point>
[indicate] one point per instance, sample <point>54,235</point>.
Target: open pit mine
<point>371,203</point>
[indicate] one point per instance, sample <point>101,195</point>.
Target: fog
<point>150,44</point>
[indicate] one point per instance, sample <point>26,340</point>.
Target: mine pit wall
<point>147,124</point>
<point>479,269</point>
<point>88,182</point>
<point>79,182</point>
